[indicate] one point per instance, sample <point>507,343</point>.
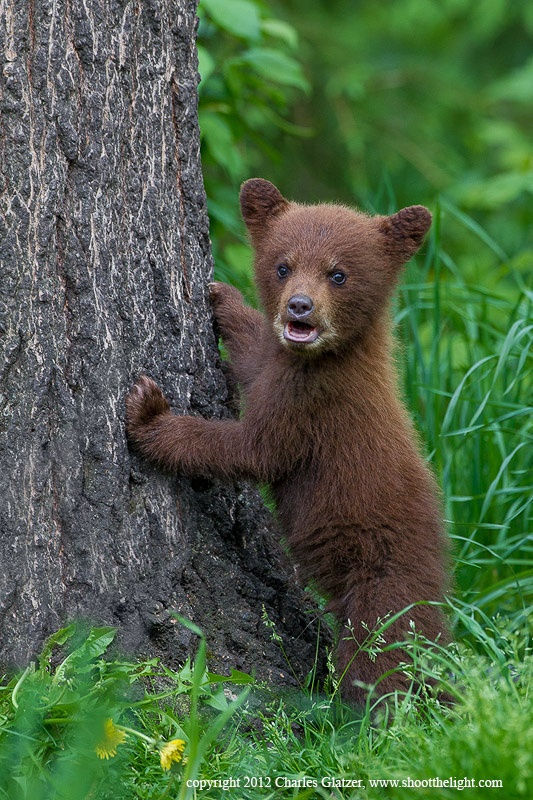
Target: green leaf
<point>276,66</point>
<point>280,30</point>
<point>218,700</point>
<point>188,624</point>
<point>206,64</point>
<point>96,643</point>
<point>218,137</point>
<point>58,638</point>
<point>238,17</point>
<point>236,677</point>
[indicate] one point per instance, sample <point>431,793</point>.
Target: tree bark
<point>105,258</point>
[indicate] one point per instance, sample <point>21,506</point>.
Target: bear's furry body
<point>323,423</point>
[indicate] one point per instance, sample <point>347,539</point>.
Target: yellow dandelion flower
<point>113,736</point>
<point>171,751</point>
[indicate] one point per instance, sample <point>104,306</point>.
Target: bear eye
<point>283,270</point>
<point>337,277</point>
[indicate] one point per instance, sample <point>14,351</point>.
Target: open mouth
<point>300,332</point>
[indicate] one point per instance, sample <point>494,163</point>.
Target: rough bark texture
<point>105,257</point>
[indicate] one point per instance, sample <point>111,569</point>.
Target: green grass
<point>465,332</point>
<point>52,720</point>
<point>466,364</point>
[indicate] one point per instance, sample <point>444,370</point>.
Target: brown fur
<point>323,423</point>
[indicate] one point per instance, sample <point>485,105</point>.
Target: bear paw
<point>144,402</point>
<point>216,290</point>
<point>222,293</point>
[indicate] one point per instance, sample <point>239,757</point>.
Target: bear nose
<point>300,306</point>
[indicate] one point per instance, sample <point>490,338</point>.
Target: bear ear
<point>260,202</point>
<point>405,231</point>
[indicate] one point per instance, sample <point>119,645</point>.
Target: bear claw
<point>216,291</point>
<point>144,401</point>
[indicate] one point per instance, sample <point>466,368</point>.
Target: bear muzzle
<point>300,332</point>
<point>298,328</point>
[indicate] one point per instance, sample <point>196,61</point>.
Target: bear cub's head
<point>325,272</point>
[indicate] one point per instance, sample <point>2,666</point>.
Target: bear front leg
<point>241,329</point>
<point>189,445</point>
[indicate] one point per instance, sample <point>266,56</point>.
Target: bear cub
<point>323,422</point>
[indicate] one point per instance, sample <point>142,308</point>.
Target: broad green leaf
<point>96,643</point>
<point>206,64</point>
<point>280,29</point>
<point>236,677</point>
<point>218,700</point>
<point>238,17</point>
<point>57,638</point>
<point>218,136</point>
<point>276,66</point>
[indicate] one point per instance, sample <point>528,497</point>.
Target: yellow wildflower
<point>171,751</point>
<point>113,736</point>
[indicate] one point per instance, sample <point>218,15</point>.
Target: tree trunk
<point>105,258</point>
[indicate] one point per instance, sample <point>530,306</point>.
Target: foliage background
<point>375,105</point>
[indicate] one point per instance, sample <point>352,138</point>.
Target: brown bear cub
<point>323,423</point>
